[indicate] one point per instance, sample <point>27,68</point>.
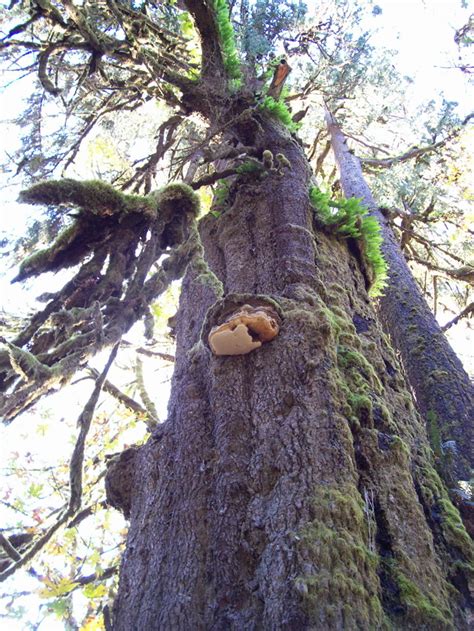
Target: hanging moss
<point>348,218</point>
<point>279,110</point>
<point>227,41</point>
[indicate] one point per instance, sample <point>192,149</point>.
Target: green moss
<point>40,261</point>
<point>400,447</point>
<point>344,569</point>
<point>176,198</point>
<point>450,526</point>
<point>221,198</point>
<point>91,196</point>
<point>454,529</point>
<point>348,218</point>
<point>27,366</point>
<point>278,110</point>
<point>249,166</point>
<point>348,358</point>
<point>360,404</point>
<point>207,277</point>
<point>421,608</point>
<point>227,41</point>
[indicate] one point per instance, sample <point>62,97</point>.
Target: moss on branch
<point>102,210</point>
<point>90,196</point>
<point>176,198</point>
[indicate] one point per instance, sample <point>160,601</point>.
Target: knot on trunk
<point>119,480</point>
<point>241,323</point>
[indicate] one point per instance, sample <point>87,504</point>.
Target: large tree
<point>292,485</point>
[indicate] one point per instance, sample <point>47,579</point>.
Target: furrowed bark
<point>443,390</point>
<point>247,507</point>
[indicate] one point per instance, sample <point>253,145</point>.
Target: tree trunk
<point>290,488</point>
<point>442,388</point>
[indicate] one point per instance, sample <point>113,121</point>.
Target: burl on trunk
<point>291,487</point>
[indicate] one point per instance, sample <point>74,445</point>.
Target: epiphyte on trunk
<point>242,328</point>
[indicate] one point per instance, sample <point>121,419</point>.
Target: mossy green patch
<point>278,110</point>
<point>349,218</point>
<point>90,196</point>
<point>207,277</point>
<point>348,358</point>
<point>422,609</point>
<point>40,260</point>
<point>343,568</point>
<point>176,198</point>
<point>227,41</point>
<point>449,526</point>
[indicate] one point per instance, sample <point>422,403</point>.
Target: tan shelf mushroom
<point>244,331</point>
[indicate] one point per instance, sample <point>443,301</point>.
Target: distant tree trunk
<point>443,390</point>
<point>290,488</point>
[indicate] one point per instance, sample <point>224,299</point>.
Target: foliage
<point>348,218</point>
<point>280,111</point>
<point>227,38</point>
<point>264,22</point>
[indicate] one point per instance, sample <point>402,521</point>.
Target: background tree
<point>238,514</point>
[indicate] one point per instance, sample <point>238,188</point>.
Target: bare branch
<point>465,313</point>
<point>9,549</point>
<point>414,152</point>
<point>84,422</point>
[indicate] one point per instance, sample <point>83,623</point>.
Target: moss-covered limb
<point>348,218</point>
<point>26,365</point>
<point>96,307</point>
<point>227,42</point>
<point>102,220</point>
<point>45,260</point>
<point>93,196</point>
<point>336,539</point>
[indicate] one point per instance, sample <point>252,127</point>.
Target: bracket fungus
<point>244,330</point>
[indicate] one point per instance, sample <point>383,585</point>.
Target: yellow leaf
<point>93,624</point>
<point>95,591</point>
<point>53,589</point>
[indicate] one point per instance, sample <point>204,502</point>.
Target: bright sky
<point>421,30</point>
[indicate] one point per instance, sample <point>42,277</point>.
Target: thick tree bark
<point>290,488</point>
<point>443,390</point>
